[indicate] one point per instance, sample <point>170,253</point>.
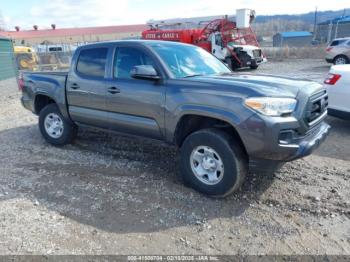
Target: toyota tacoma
<point>225,123</point>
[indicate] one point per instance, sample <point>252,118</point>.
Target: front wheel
<point>213,163</point>
<point>231,64</point>
<point>54,127</point>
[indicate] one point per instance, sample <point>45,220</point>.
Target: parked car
<point>223,122</point>
<point>338,52</point>
<point>338,86</point>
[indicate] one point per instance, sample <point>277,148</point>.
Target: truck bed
<point>51,84</point>
<point>59,73</point>
<point>47,79</point>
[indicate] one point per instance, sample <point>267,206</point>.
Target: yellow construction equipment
<point>26,58</point>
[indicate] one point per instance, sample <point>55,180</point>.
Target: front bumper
<point>257,61</point>
<point>273,160</point>
<point>27,103</point>
<point>310,143</point>
<point>280,139</point>
<point>329,60</point>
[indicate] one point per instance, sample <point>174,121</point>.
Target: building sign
<point>163,35</point>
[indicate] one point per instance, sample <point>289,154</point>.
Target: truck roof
<point>141,42</point>
<point>342,38</point>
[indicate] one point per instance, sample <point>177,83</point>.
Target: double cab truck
<point>224,123</point>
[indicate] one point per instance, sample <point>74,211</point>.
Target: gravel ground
<point>109,194</point>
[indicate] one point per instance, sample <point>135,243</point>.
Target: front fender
<point>234,119</point>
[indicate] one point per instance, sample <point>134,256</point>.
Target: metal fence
<point>47,61</point>
<point>307,52</point>
<point>54,60</point>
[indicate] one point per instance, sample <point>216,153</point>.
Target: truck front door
<point>218,49</point>
<point>134,106</point>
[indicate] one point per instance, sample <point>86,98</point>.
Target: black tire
<point>69,129</point>
<point>231,64</point>
<point>254,67</point>
<point>342,58</point>
<point>18,61</point>
<point>233,157</point>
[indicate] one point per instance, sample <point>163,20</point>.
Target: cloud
<point>78,13</point>
<point>74,13</point>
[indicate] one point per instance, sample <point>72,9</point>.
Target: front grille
<point>257,53</point>
<point>316,108</point>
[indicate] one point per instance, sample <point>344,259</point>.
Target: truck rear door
<point>86,86</point>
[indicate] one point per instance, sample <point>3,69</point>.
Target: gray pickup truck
<point>224,122</point>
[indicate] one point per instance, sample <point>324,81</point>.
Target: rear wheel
<point>213,163</point>
<point>54,127</point>
<point>341,60</point>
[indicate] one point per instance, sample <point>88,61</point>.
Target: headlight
<point>272,106</point>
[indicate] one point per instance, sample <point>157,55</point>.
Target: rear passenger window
<point>337,42</point>
<point>92,62</point>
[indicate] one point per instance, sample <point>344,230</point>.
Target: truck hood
<point>259,84</point>
<point>245,47</point>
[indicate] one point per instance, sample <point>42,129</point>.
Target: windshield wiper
<point>194,75</point>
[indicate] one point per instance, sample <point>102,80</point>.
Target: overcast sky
<point>80,13</point>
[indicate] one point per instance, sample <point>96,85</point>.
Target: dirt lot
<point>108,194</point>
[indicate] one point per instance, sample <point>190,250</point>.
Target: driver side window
<point>126,58</point>
<point>218,40</point>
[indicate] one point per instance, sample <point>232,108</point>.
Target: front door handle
<point>75,86</point>
<point>113,90</point>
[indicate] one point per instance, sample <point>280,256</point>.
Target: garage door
<point>7,64</point>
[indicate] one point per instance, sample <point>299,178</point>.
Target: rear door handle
<point>75,86</point>
<point>113,90</point>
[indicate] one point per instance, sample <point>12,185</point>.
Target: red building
<point>74,35</point>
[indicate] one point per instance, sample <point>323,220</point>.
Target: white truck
<point>338,86</point>
<point>229,38</point>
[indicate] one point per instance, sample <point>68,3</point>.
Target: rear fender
<point>50,87</point>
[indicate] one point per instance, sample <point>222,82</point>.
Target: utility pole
<point>336,29</point>
<point>2,22</point>
<point>315,24</point>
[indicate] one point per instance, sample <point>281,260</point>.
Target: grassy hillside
<point>269,25</point>
<point>307,17</point>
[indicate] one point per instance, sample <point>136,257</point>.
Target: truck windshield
<point>186,61</point>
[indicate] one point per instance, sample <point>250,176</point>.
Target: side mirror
<point>144,72</point>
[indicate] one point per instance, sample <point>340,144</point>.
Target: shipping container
<point>7,62</point>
